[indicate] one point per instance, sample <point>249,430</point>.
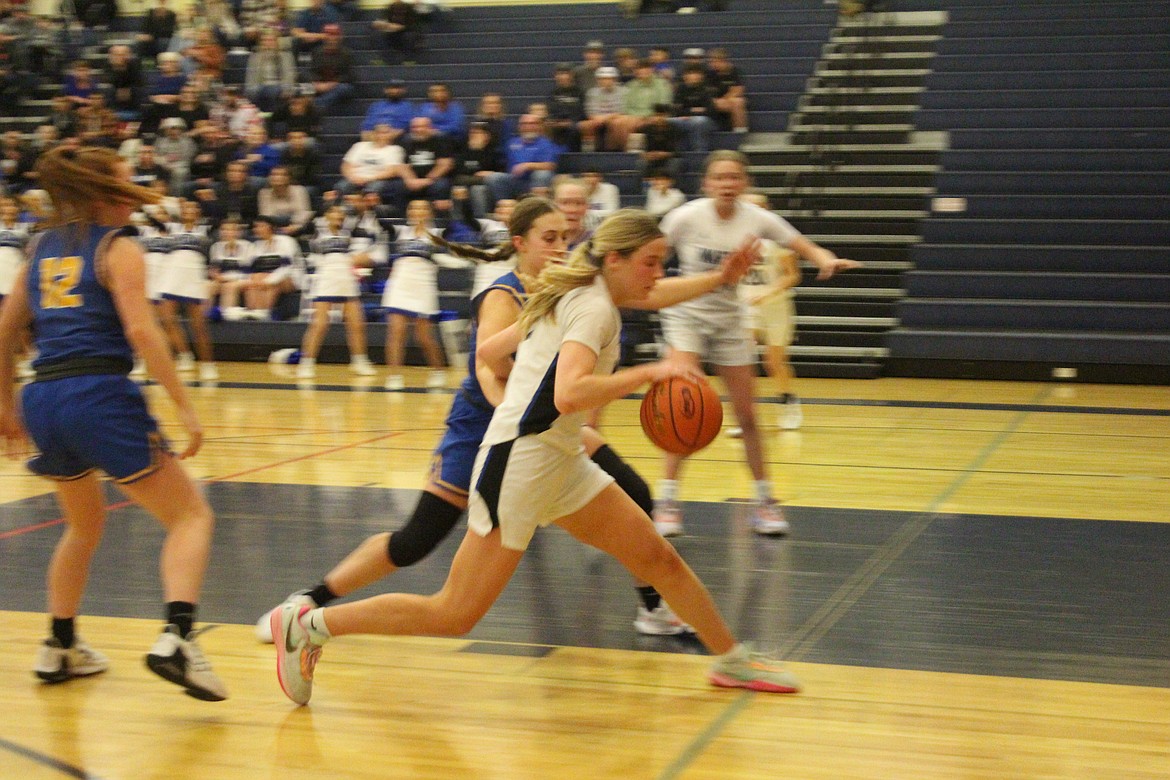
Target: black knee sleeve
<point>626,478</point>
<point>432,520</point>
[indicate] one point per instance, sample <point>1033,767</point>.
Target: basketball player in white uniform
<point>184,283</point>
<point>711,327</point>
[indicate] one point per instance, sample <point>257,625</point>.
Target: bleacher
<point>1058,263</point>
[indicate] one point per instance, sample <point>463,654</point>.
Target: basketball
<point>681,416</point>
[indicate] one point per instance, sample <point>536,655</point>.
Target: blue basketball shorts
<point>92,422</point>
<point>454,458</point>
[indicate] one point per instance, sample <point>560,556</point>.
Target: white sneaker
<point>790,416</point>
<point>264,622</point>
<point>179,660</point>
<point>742,668</point>
<point>437,380</point>
<point>57,664</point>
<point>306,369</point>
<point>661,621</point>
<point>296,653</point>
<point>208,372</point>
<point>185,362</point>
<point>668,519</point>
<point>395,382</point>
<point>139,370</point>
<point>768,520</point>
<point>735,433</point>
<point>362,366</point>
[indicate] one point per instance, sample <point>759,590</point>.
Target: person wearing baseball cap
<point>593,58</point>
<point>603,112</point>
<point>393,110</point>
<point>309,26</point>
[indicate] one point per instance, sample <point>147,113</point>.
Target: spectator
<point>259,155</point>
<point>296,113</point>
<point>233,197</point>
<point>430,158</point>
<point>566,110</point>
<point>568,193</point>
<point>220,19</point>
<point>285,203</point>
<point>493,113</point>
<point>79,85</point>
<point>148,169</point>
<point>626,61</point>
<point>395,110</point>
<point>694,56</point>
<point>96,13</point>
<point>163,92</point>
<point>184,38</point>
<point>375,166</point>
<point>234,112</point>
<point>603,198</point>
<point>158,27</point>
<point>661,144</point>
<point>124,75</point>
<point>402,28</point>
<point>642,95</point>
<point>176,151</point>
<point>271,73</point>
<point>214,150</point>
<point>309,27</point>
<point>257,16</point>
<point>332,70</point>
<point>585,74</point>
<point>730,99</point>
<point>97,125</point>
<point>603,113</point>
<point>192,111</point>
<point>30,44</point>
<point>63,116</point>
<point>659,56</point>
<point>661,195</point>
<point>476,164</point>
<point>302,161</point>
<point>695,108</point>
<point>530,160</point>
<point>207,56</point>
<point>446,116</point>
<point>17,160</point>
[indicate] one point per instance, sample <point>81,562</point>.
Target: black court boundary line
<point>48,761</point>
<point>891,403</point>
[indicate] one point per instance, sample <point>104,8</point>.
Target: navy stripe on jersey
<point>491,478</point>
<point>510,283</point>
<point>268,262</point>
<point>542,412</point>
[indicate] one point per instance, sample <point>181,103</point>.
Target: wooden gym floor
<point>976,586</point>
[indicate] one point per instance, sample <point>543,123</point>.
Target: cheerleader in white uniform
<point>185,284</point>
<point>231,257</point>
<point>276,268</point>
<point>337,254</point>
<point>14,236</point>
<point>412,294</point>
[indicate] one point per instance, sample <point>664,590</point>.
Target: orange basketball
<point>681,416</point>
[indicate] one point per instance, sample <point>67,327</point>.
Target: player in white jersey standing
<point>711,327</point>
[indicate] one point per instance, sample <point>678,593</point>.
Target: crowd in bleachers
<point>220,106</point>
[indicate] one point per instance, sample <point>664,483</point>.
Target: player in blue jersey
<point>83,293</point>
<point>532,469</point>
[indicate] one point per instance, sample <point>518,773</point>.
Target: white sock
<point>314,623</point>
<point>763,491</point>
<point>668,489</point>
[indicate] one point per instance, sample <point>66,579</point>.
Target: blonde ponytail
<point>79,180</point>
<point>625,232</point>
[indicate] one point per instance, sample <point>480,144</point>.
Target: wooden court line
<point>123,504</point>
<point>49,761</point>
<point>851,591</point>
